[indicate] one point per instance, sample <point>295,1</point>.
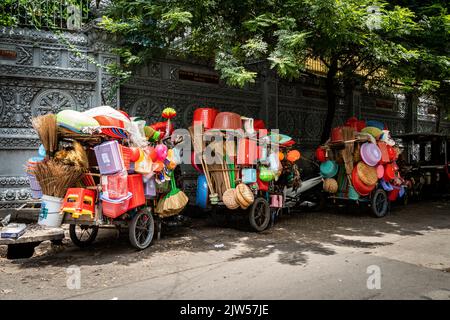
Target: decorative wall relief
<point>52,101</point>
<point>24,55</point>
<point>77,62</point>
<point>147,109</point>
<point>51,57</point>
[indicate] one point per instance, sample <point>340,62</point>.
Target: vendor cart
<point>115,173</point>
<point>243,178</point>
<point>360,165</point>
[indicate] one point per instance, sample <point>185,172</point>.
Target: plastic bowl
<point>228,120</point>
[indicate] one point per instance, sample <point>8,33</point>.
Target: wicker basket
<point>367,174</point>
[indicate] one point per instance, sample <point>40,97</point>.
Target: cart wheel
<point>142,229</point>
<point>83,236</point>
<point>259,215</point>
<point>380,203</point>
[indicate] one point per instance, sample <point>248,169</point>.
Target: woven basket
<point>330,185</point>
<point>229,199</point>
<point>367,174</point>
<point>246,193</point>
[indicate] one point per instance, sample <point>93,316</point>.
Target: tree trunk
<point>349,87</point>
<point>330,85</point>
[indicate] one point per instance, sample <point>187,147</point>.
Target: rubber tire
<point>251,215</point>
<point>78,242</point>
<point>373,200</point>
<point>132,230</point>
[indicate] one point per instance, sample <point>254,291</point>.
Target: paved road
<point>329,255</point>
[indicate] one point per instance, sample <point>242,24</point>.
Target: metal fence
<point>48,14</point>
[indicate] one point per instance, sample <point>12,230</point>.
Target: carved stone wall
<point>39,74</point>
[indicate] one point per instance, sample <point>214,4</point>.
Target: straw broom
<point>55,178</point>
<point>347,153</point>
<point>47,130</point>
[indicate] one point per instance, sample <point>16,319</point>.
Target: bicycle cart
<point>240,164</point>
<point>107,170</point>
<point>358,163</point>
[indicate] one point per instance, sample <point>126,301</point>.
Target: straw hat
<point>229,199</point>
<point>244,195</point>
<point>367,174</point>
<point>330,185</point>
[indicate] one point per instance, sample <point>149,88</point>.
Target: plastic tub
<point>114,208</point>
<point>109,157</point>
<point>136,187</point>
<point>126,155</point>
<point>248,175</point>
<point>50,214</point>
<point>205,116</point>
<point>228,120</point>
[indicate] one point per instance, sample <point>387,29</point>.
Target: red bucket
<point>136,187</point>
<point>206,116</point>
<point>337,135</point>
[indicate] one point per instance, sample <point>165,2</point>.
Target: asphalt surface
<point>337,254</point>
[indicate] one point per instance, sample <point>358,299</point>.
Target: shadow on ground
<point>292,238</point>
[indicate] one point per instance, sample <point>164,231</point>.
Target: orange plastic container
<point>136,187</point>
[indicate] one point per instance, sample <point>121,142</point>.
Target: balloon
<point>161,152</point>
<point>135,154</point>
<point>151,153</point>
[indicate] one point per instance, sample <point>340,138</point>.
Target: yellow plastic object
<point>76,212</point>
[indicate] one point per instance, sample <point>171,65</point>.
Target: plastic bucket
<point>50,214</point>
<point>34,184</point>
<point>206,116</point>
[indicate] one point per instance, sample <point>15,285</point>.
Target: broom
<point>47,130</point>
<point>347,153</point>
<point>55,178</point>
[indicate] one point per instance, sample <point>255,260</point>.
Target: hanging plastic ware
<point>380,171</point>
<point>265,174</point>
<point>376,124</point>
<point>329,169</point>
<point>337,135</point>
<point>281,156</point>
<point>389,172</point>
<point>205,116</point>
<point>359,186</point>
<point>391,152</point>
<point>370,153</point>
<point>373,131</point>
<point>258,124</point>
<point>247,152</point>
<point>201,196</point>
<point>161,152</point>
<point>321,154</point>
<point>262,185</point>
<point>293,156</point>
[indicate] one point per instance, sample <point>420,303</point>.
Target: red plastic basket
<point>126,155</point>
<point>136,187</point>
